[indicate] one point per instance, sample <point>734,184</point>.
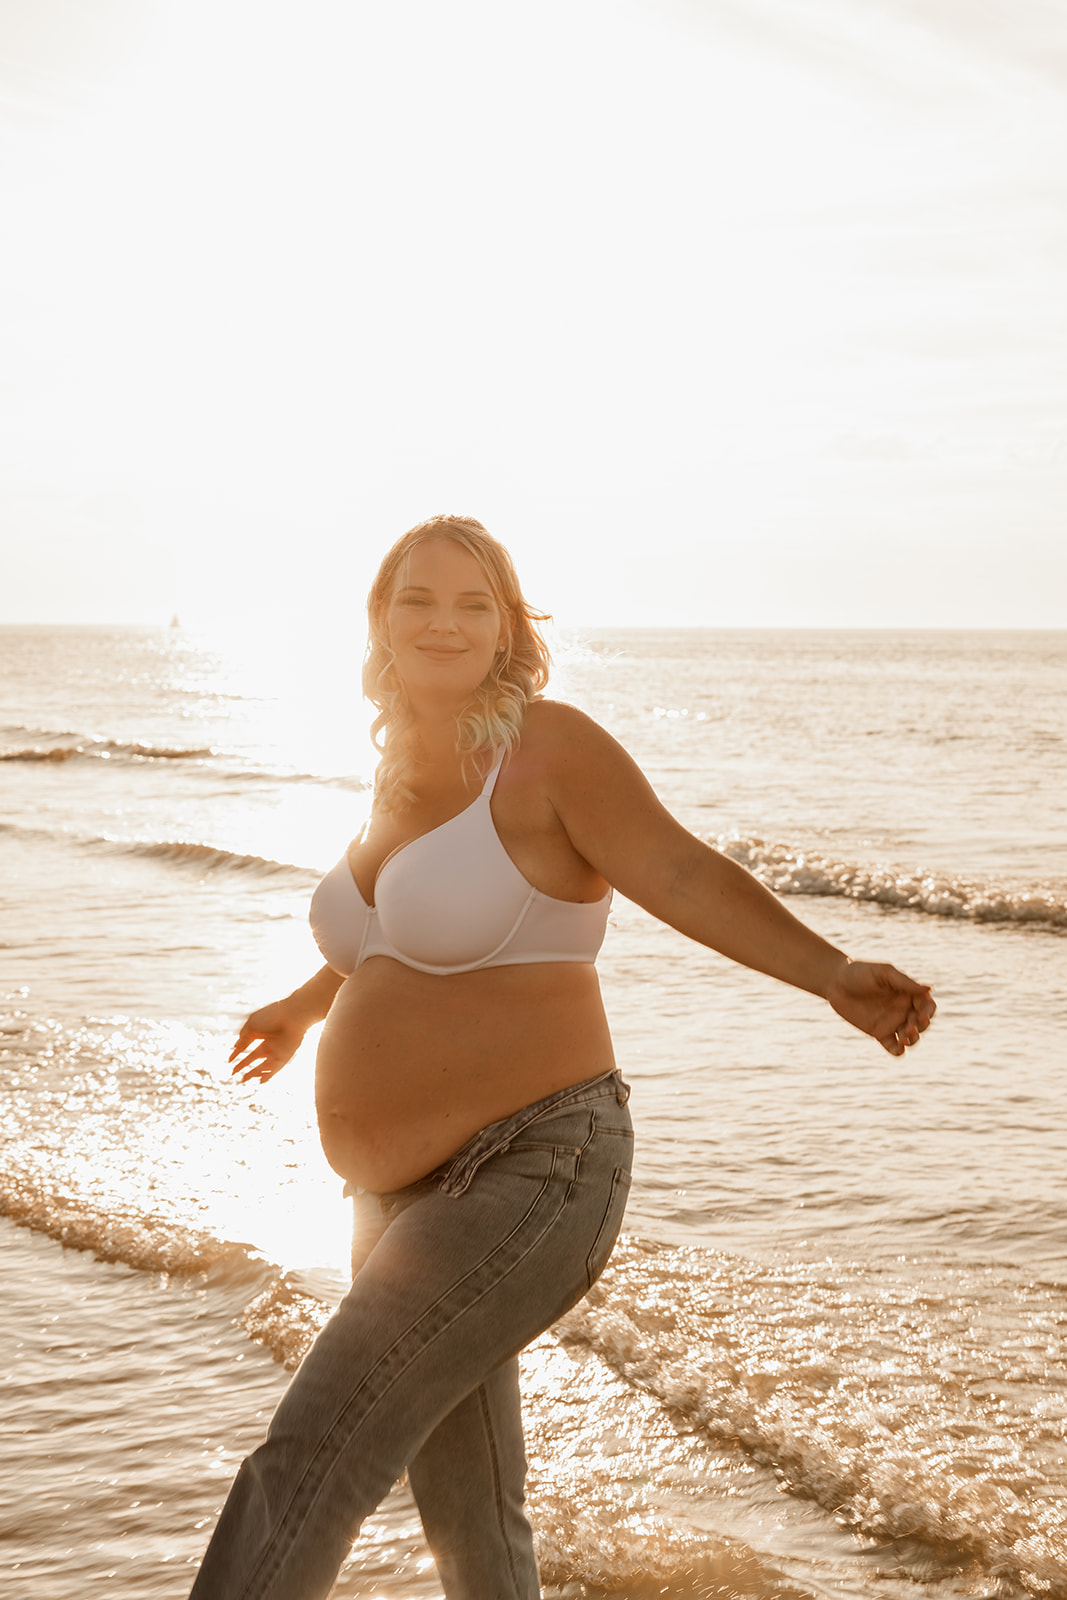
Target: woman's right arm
<point>280,1028</point>
<point>615,821</point>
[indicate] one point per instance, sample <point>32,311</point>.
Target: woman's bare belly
<point>410,1065</point>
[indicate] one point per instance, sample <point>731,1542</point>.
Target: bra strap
<point>490,783</point>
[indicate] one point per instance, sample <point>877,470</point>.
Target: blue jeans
<point>417,1367</point>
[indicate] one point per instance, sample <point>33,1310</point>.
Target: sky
<point>716,312</point>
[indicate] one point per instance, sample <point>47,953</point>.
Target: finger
<point>913,1030</point>
<point>261,1074</point>
<point>922,1012</point>
<point>261,1054</point>
<point>921,1009</point>
<point>247,1054</point>
<point>254,1066</point>
<point>243,1040</point>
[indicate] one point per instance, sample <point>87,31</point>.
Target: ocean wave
<point>56,748</point>
<point>350,782</point>
<point>39,753</point>
<point>588,1528</point>
<point>285,1320</point>
<point>182,852</point>
<point>210,857</point>
<point>278,1315</point>
<point>787,870</point>
<point>146,1242</point>
<point>69,747</point>
<point>877,1400</point>
<point>591,1437</point>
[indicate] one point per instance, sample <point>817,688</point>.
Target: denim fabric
<point>417,1368</point>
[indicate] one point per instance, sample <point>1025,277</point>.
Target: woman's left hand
<point>883,1002</point>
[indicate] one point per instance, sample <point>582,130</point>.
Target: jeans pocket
<point>611,1222</point>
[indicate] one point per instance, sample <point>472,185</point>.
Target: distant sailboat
<point>174,621</point>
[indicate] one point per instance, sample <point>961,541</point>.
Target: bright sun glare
<point>291,279</point>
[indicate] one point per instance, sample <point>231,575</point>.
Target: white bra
<point>452,900</point>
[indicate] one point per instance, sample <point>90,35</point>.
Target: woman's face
<point>442,623</point>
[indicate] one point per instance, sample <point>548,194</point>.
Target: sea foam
<point>789,870</point>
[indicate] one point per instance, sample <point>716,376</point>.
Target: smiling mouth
<point>440,650</point>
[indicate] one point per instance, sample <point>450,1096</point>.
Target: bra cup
<point>452,901</point>
<point>452,897</point>
<point>338,918</point>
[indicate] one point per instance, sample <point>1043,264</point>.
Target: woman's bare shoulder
<point>567,745</point>
<point>556,743</point>
<point>556,721</point>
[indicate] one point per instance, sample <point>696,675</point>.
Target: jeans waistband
<point>453,1175</point>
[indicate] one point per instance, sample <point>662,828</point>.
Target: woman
<point>466,1087</point>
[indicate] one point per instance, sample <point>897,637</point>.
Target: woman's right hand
<point>280,1030</point>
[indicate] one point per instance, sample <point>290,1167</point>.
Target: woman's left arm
<point>616,822</point>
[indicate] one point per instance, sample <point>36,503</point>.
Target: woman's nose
<point>442,620</point>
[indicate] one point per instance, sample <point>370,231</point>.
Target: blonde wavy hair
<point>495,713</point>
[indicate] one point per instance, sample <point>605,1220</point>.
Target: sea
<point>829,1356</point>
